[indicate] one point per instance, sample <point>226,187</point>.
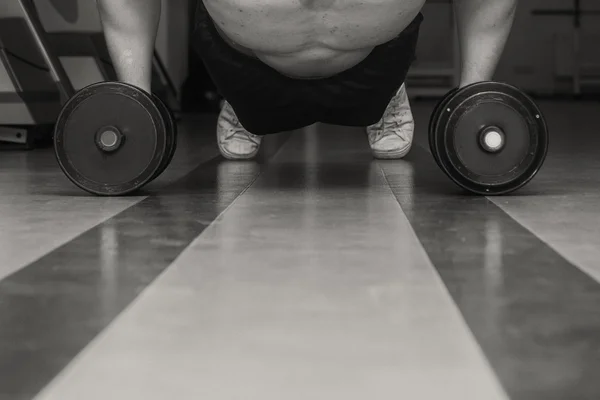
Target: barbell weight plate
<point>100,110</point>
<point>171,132</point>
<point>433,120</point>
<point>434,123</point>
<point>474,110</point>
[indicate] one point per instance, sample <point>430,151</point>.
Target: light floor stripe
<point>312,285</point>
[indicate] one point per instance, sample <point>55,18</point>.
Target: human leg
<point>130,28</point>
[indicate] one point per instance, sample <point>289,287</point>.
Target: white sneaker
<point>392,136</point>
<point>235,142</point>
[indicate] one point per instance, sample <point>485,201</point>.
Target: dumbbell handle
<point>56,69</point>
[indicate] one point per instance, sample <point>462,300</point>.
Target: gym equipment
<point>41,70</point>
<point>109,138</point>
<point>433,120</point>
<point>489,138</point>
<point>171,128</point>
<point>31,86</point>
<point>112,138</point>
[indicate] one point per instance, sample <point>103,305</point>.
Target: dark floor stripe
<point>535,315</point>
<point>51,309</point>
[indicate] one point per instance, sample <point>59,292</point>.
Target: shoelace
<point>391,122</point>
<point>237,131</point>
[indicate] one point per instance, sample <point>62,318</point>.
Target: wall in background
<point>538,56</point>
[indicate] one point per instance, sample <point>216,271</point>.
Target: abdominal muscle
<point>311,38</point>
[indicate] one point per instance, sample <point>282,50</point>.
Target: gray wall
<point>539,47</point>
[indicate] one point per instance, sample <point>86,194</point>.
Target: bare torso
<point>311,38</point>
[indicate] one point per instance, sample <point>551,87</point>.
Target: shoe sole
<point>392,154</point>
<point>236,157</point>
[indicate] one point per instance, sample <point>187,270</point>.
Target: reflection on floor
<point>312,272</point>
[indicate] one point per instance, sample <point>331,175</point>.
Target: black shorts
<point>266,101</point>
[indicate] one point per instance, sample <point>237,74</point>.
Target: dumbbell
<point>489,138</point>
<point>112,138</point>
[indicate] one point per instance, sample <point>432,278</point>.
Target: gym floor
<point>314,272</point>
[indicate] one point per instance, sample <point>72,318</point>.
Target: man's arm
<point>130,28</point>
<point>483,29</point>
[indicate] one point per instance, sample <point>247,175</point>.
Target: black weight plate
<point>134,113</point>
<point>434,127</point>
<point>457,138</point>
<point>171,132</point>
<point>433,120</point>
